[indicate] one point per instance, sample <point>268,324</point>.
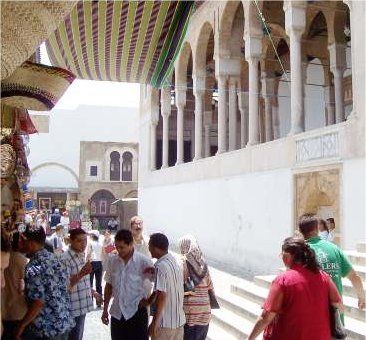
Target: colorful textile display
<point>35,86</point>
<point>131,41</point>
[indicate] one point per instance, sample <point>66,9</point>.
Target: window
<point>115,166</point>
<point>103,207</point>
<point>93,208</point>
<point>127,166</point>
<point>93,170</point>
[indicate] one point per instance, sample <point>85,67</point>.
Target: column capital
<point>154,115</point>
<point>295,17</point>
<point>243,100</point>
<point>165,101</point>
<point>268,85</point>
<point>337,57</point>
<point>253,47</point>
<point>234,80</point>
<point>181,95</point>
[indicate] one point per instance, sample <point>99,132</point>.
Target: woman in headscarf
<point>196,303</point>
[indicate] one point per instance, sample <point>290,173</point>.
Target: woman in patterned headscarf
<point>196,304</point>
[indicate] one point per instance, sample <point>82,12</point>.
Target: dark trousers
<point>131,329</point>
<point>77,332</point>
<point>9,328</point>
<point>196,332</point>
<point>98,273</point>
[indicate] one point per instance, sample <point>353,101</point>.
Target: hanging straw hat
<point>35,86</point>
<point>8,160</point>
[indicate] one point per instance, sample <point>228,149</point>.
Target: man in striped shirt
<point>169,318</point>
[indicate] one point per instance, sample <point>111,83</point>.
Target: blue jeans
<point>77,332</point>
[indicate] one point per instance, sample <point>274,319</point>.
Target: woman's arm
<point>264,320</point>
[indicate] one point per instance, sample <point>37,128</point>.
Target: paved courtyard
<point>94,329</point>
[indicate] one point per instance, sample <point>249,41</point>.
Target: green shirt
<point>331,259</point>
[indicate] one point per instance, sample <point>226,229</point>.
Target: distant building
<point>109,172</point>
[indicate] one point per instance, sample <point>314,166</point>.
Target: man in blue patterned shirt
<point>46,282</point>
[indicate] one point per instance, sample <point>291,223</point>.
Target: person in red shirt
<point>297,306</point>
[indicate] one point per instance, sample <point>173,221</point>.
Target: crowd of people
<point>48,285</point>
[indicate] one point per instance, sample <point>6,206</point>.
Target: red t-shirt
<point>300,298</point>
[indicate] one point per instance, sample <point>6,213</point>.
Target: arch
<point>114,166</point>
<point>62,166</point>
<point>101,206</point>
<point>182,64</point>
<point>202,48</point>
<point>127,166</point>
<point>226,25</point>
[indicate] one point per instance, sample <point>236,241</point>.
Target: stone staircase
<point>241,301</point>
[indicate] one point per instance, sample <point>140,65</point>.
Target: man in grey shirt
<point>169,318</point>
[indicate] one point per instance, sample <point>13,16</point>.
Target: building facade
<point>263,120</point>
<point>108,173</point>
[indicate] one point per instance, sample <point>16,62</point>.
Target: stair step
<point>352,310</point>
<point>215,332</point>
<point>361,247</point>
<point>230,322</point>
<point>240,306</point>
<point>356,257</point>
<point>356,329</point>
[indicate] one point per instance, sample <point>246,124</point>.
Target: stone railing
<point>321,144</point>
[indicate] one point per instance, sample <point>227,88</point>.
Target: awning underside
<point>127,41</point>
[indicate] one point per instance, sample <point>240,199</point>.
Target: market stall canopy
<point>127,41</point>
<point>24,26</point>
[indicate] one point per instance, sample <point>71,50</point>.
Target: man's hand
<point>149,270</point>
<point>18,332</point>
<point>105,317</point>
<point>153,329</point>
<point>143,303</point>
<point>87,269</point>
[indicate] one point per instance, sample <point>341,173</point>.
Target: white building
<point>239,145</point>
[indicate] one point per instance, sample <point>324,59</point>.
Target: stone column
<point>165,112</point>
<point>221,119</point>
<point>253,137</point>
<point>198,115</point>
<point>153,127</point>
<point>295,19</point>
<point>207,122</point>
<point>329,103</point>
<point>275,121</point>
<point>233,81</point>
<point>268,93</point>
<point>337,57</point>
<point>181,103</point>
<point>243,108</point>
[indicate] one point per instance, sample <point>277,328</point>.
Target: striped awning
<point>127,41</point>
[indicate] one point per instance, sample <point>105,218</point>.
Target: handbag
<point>188,286</point>
<point>336,326</point>
<point>213,301</point>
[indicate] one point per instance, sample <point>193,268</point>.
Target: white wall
<point>239,221</point>
<point>69,127</point>
<point>353,210</point>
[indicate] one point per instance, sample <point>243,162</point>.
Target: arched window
<point>115,166</point>
<point>127,166</point>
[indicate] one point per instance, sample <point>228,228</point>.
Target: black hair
<point>301,253</point>
<point>324,223</point>
<point>159,241</point>
<point>331,220</point>
<point>94,237</point>
<point>76,232</point>
<point>36,234</point>
<point>124,235</point>
<point>5,242</point>
<point>308,223</point>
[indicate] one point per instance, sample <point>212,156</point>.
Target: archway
<point>101,209</point>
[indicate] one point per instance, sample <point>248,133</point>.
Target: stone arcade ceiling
<point>129,41</point>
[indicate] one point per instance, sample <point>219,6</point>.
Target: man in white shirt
<point>125,275</point>
<point>140,240</point>
<point>169,317</point>
<point>65,221</point>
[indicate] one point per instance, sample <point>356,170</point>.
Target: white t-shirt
<point>95,251</point>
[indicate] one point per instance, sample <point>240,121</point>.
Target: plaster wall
<point>239,221</point>
<point>354,227</point>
